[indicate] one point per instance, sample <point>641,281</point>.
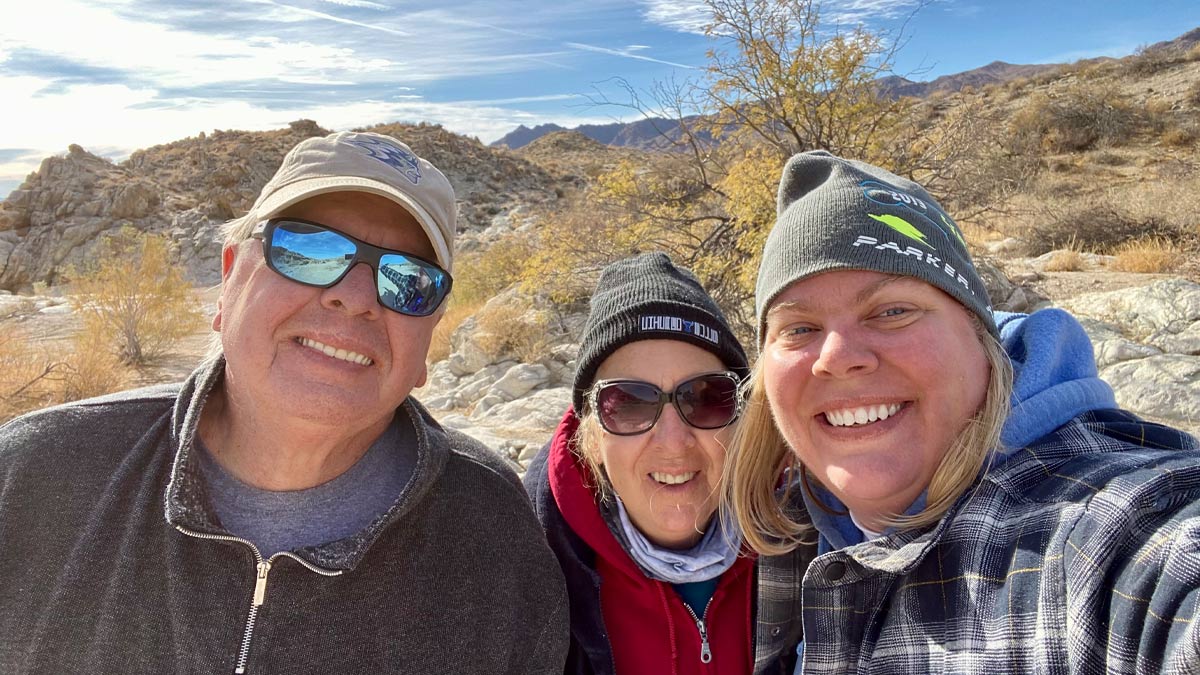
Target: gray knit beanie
<point>648,298</point>
<point>836,213</point>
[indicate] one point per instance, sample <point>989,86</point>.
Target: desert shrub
<point>481,275</point>
<point>1193,94</point>
<point>1066,260</point>
<point>1148,255</point>
<point>92,369</point>
<point>1146,61</point>
<point>134,293</point>
<point>1157,115</point>
<point>33,375</point>
<point>29,376</point>
<point>508,330</point>
<point>1098,227</point>
<point>1178,137</point>
<point>1110,159</point>
<point>1077,118</point>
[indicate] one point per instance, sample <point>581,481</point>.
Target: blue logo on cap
<point>398,158</point>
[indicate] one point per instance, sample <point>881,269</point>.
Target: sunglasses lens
<point>309,254</point>
<point>627,407</point>
<point>411,286</point>
<point>708,402</point>
<point>318,256</point>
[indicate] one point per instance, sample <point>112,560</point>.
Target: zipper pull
<point>705,651</point>
<point>260,584</point>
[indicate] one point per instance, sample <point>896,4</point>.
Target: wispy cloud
<point>337,19</point>
<point>688,16</point>
<point>152,71</point>
<point>627,53</point>
<point>523,99</point>
<point>364,4</point>
<point>693,16</point>
<point>854,12</point>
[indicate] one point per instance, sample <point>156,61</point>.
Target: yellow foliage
<point>783,78</point>
<point>136,296</point>
<point>480,275</point>
<point>33,377</point>
<point>93,368</point>
<point>750,189</point>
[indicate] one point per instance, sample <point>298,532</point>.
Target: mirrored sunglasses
<point>631,407</point>
<point>317,255</point>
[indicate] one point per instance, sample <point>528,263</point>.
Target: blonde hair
<point>760,455</point>
<point>586,445</point>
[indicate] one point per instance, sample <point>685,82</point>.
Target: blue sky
<point>118,75</point>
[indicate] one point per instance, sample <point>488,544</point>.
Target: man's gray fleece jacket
<point>112,561</point>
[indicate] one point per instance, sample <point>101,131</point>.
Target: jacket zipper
<point>262,568</point>
<point>705,650</point>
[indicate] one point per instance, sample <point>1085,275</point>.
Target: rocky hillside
<point>188,188</point>
<point>996,72</point>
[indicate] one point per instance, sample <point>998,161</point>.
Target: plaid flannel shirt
<point>1078,554</point>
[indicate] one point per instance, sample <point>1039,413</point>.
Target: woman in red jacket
<point>628,487</point>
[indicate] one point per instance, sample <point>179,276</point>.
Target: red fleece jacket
<point>649,627</point>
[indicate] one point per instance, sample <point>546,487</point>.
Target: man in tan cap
<point>290,507</point>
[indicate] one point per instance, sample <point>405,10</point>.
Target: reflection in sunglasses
<point>317,255</point>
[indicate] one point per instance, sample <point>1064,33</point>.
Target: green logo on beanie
<point>953,229</point>
<point>903,227</point>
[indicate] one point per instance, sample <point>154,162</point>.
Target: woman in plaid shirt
<point>961,526</point>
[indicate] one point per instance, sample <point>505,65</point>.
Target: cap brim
<point>298,191</point>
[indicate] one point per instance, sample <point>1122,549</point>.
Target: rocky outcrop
<point>187,189</point>
<point>1147,345</point>
<point>1007,295</point>
<point>485,388</point>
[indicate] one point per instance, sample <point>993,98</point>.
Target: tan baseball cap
<point>349,161</point>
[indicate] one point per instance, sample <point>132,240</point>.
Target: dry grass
<point>1103,211</point>
<point>1178,137</point>
<point>93,368</point>
<point>1151,255</point>
<point>507,330</point>
<point>1066,260</point>
<point>28,375</point>
<point>34,375</point>
<point>439,345</point>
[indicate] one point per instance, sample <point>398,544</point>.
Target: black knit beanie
<point>836,213</point>
<point>648,298</point>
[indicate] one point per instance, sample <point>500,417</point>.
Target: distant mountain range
<point>645,134</point>
<point>648,133</point>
